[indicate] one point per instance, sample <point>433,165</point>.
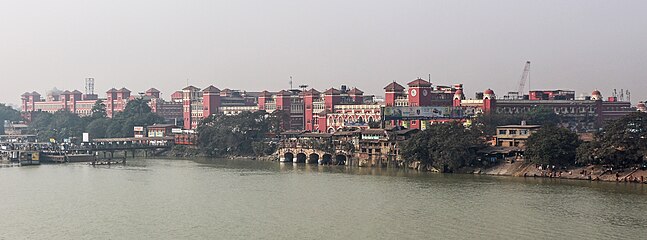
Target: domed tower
<point>596,95</point>
<point>489,94</point>
<point>489,100</point>
<point>458,96</point>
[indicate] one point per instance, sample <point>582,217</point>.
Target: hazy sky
<point>257,45</point>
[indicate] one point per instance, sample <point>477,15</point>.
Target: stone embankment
<point>591,173</point>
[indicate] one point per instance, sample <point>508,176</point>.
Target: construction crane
<point>525,77</point>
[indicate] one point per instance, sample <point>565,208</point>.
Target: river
<point>227,199</point>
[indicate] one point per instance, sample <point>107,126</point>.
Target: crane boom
<point>525,76</point>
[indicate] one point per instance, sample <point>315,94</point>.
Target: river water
<point>225,199</point>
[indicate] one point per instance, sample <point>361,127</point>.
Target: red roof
<point>111,90</point>
<point>332,91</point>
<point>596,92</point>
<point>76,92</point>
<point>419,83</point>
<point>265,94</point>
<point>312,91</point>
<point>394,87</point>
<point>283,93</point>
<point>211,89</point>
<point>458,92</point>
<point>355,91</point>
<point>123,90</point>
<point>192,88</point>
<point>152,90</point>
<point>488,91</point>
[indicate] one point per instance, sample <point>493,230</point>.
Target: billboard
<point>414,113</point>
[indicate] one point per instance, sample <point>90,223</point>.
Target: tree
<point>137,106</point>
<point>446,147</point>
<point>552,145</point>
<point>136,113</point>
<point>9,114</point>
<point>99,110</point>
<point>59,125</point>
<point>538,116</point>
<point>242,134</point>
<point>621,143</point>
<point>98,128</point>
<point>542,116</point>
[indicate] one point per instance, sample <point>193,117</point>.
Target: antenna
<point>628,96</point>
<point>89,86</point>
<point>290,82</point>
<point>430,78</point>
<point>622,94</point>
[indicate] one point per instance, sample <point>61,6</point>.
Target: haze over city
<point>258,45</point>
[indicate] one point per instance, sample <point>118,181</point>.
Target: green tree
<point>542,116</point>
<point>537,116</point>
<point>59,125</point>
<point>9,114</point>
<point>621,143</point>
<point>98,128</point>
<point>552,145</point>
<point>243,134</point>
<point>136,113</point>
<point>446,147</point>
<point>99,110</point>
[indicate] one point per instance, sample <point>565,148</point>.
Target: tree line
<point>67,125</point>
<point>245,134</point>
<point>451,146</point>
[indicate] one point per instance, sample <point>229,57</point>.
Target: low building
<point>514,135</point>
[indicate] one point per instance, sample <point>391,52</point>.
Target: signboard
<point>415,113</point>
<point>176,130</point>
<point>138,129</point>
<point>86,137</point>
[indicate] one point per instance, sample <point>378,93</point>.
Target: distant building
<point>514,135</point>
<point>82,104</point>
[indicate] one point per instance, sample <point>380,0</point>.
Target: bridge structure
<point>109,146</point>
<point>297,153</point>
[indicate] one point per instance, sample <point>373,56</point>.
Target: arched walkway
<point>301,158</point>
<point>340,160</point>
<point>326,159</point>
<point>288,156</point>
<point>313,158</point>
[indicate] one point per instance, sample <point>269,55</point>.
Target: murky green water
<point>183,199</point>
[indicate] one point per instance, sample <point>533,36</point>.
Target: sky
<point>257,45</point>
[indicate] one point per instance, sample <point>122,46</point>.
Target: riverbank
<point>590,173</point>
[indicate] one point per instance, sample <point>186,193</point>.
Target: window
<point>502,132</point>
<point>523,132</point>
<point>512,132</point>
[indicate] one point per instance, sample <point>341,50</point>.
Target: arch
<point>313,158</point>
<point>340,159</point>
<point>331,130</point>
<point>326,159</point>
<point>301,158</point>
<point>370,119</point>
<point>288,157</point>
<point>360,119</point>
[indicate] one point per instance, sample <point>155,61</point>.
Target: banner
<point>414,113</point>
